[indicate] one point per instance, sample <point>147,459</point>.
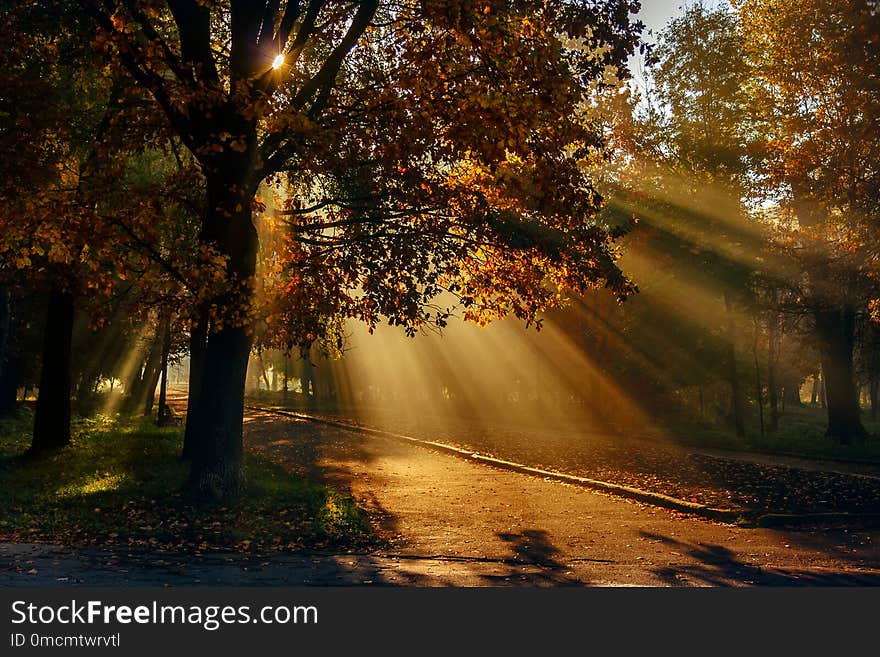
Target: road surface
<point>450,522</point>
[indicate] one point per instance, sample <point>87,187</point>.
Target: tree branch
<point>151,80</point>
<point>194,29</point>
<point>322,83</point>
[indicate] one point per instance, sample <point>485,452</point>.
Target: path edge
<point>730,516</point>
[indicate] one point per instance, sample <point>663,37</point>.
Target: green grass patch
<point>121,482</point>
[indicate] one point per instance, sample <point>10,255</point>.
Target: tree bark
<point>52,415</point>
<point>216,470</point>
<point>836,330</point>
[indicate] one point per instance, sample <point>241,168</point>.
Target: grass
<point>801,432</point>
<point>122,482</point>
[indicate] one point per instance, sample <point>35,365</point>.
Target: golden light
<point>278,62</point>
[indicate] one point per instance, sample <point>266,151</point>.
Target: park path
<point>451,522</point>
<point>482,525</point>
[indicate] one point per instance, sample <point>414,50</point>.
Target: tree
<point>815,93</point>
<point>692,168</point>
<point>435,147</point>
<point>76,223</point>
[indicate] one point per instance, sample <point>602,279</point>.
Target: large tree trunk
<point>216,470</point>
<point>736,396</point>
<point>836,330</point>
<point>52,416</point>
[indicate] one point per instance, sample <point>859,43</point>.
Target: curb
<point>730,516</point>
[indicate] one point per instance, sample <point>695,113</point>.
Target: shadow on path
<point>719,566</point>
<point>534,558</point>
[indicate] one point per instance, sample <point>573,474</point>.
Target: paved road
<point>452,522</point>
<point>512,527</point>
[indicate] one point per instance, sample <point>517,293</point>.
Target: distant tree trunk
<point>836,330</point>
<point>109,339</point>
<point>874,388</point>
<point>286,377</point>
<point>162,417</point>
<point>872,361</point>
<point>10,377</point>
<point>152,371</point>
<point>791,392</point>
<point>329,382</point>
<point>10,359</point>
<point>759,392</point>
<point>772,350</point>
<point>133,381</point>
<point>310,390</point>
<point>142,376</point>
<point>198,345</point>
<point>814,392</point>
<point>263,375</point>
<point>52,415</point>
<point>85,392</point>
<point>736,398</point>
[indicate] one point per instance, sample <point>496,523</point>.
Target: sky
<point>655,13</point>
